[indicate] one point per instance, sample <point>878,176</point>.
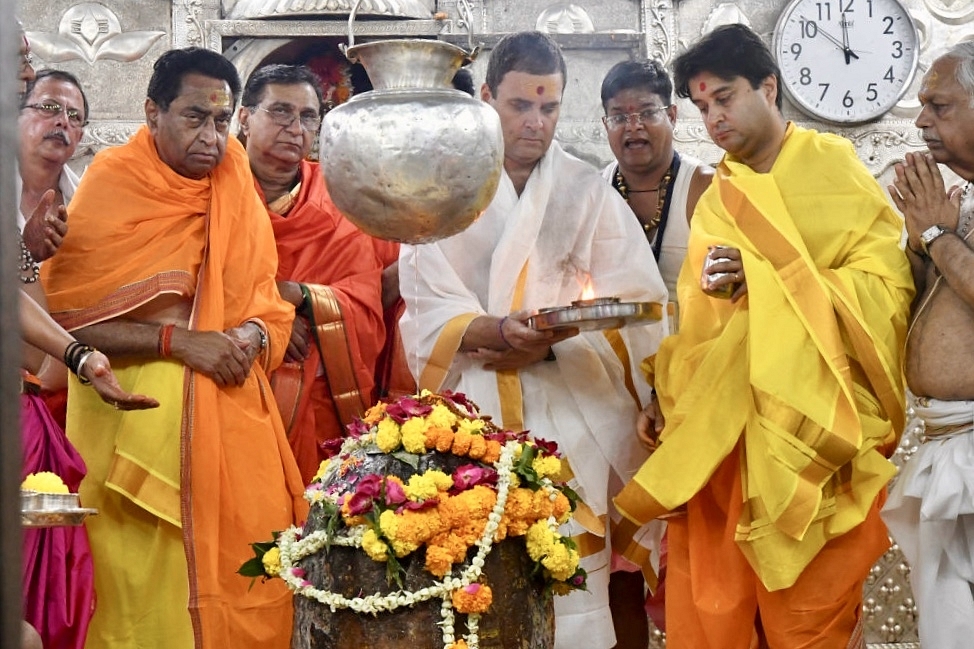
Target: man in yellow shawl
<point>781,402</point>
<point>169,268</point>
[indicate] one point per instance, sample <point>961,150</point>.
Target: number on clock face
<point>846,61</point>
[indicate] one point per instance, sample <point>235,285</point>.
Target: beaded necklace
<point>662,202</point>
<point>27,264</point>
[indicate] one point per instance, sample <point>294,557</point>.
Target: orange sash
<point>140,230</point>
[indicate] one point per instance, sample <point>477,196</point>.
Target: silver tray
<point>599,313</point>
<point>55,517</point>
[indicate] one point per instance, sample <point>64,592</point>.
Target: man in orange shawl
<point>327,268</point>
<point>169,268</point>
<point>780,402</point>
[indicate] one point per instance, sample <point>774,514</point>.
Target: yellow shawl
<point>807,367</point>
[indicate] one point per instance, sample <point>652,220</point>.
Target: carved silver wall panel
<point>91,31</point>
<point>292,8</point>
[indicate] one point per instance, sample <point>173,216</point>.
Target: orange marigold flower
<point>439,560</point>
<point>474,598</point>
<point>459,644</point>
<point>444,441</point>
<point>493,452</point>
<point>375,413</point>
<point>562,508</point>
<point>478,446</point>
<point>461,442</point>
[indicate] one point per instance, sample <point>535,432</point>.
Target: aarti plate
<point>595,314</point>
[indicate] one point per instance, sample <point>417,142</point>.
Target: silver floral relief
<point>659,25</point>
<point>187,23</point>
<point>90,31</point>
<point>99,135</point>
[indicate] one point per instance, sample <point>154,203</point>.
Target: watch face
<point>846,61</point>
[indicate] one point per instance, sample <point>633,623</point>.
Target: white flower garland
<point>293,550</point>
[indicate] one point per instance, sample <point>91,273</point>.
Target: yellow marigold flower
<point>272,561</point>
<point>560,561</point>
<point>441,417</point>
<point>321,469</point>
<point>427,485</point>
<point>472,426</point>
<point>461,443</point>
<point>539,540</point>
<point>414,435</point>
<point>388,523</point>
<point>44,482</point>
<point>546,466</point>
<point>375,547</point>
<point>475,598</point>
<point>388,436</point>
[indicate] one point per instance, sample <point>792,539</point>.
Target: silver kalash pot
<point>412,160</point>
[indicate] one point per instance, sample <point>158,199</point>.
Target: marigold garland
<point>506,490</point>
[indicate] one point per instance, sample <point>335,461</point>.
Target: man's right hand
<point>650,424</point>
<point>212,353</point>
<point>46,228</point>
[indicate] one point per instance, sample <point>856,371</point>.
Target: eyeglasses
<point>53,109</point>
<point>282,117</point>
<point>652,115</point>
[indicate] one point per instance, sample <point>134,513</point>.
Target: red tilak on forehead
<point>540,90</point>
<point>703,86</point>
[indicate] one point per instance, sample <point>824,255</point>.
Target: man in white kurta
<point>553,227</point>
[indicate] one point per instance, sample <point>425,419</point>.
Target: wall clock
<point>846,61</point>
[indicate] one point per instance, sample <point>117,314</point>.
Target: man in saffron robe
<point>327,267</point>
<point>170,269</point>
<point>780,403</point>
<point>553,226</point>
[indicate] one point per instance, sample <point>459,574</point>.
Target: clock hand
<point>849,54</point>
<point>827,35</point>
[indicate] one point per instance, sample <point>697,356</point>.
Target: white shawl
<point>568,225</point>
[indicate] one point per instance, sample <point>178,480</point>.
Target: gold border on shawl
<point>509,391</point>
<point>130,479</point>
<point>588,544</point>
<point>444,350</point>
<point>614,337</point>
<point>623,543</point>
<point>637,504</point>
<point>328,327</point>
<point>128,298</point>
<point>841,443</point>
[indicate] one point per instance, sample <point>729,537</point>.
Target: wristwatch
<point>930,235</point>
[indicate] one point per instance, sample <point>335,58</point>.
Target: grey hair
<point>963,53</point>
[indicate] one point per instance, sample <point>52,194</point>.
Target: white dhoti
<point>930,513</point>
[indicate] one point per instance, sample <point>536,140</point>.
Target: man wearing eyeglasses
<point>170,269</point>
<point>53,114</point>
<point>327,267</point>
<point>661,186</point>
<point>553,227</point>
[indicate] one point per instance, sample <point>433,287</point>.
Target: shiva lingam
<point>412,160</point>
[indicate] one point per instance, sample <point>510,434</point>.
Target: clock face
<point>846,61</point>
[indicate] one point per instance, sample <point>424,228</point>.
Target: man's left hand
<point>509,359</point>
<point>46,228</point>
<point>247,336</point>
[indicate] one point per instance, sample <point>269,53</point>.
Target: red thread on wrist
<point>165,340</point>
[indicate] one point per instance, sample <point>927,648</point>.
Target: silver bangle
<point>81,365</point>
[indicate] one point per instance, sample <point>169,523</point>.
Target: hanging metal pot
<point>412,160</point>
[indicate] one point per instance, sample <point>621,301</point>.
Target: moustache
<point>58,134</point>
